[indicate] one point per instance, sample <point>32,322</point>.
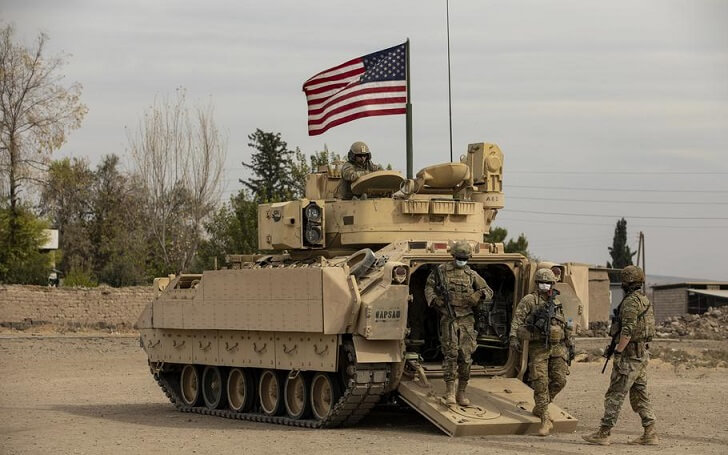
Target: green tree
<point>66,200</point>
<point>37,112</point>
<point>20,258</point>
<point>499,234</point>
<point>272,166</point>
<point>619,251</point>
<point>233,229</point>
<point>302,165</point>
<point>116,229</point>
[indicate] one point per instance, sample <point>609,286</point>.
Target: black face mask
<point>630,287</point>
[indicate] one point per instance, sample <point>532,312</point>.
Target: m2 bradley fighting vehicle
<point>334,319</point>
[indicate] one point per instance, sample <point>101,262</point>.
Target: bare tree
<point>179,155</point>
<point>37,110</point>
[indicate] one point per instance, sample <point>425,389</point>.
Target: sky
<point>602,109</point>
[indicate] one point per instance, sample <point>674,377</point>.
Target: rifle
<point>444,292</point>
<point>617,329</point>
<point>609,351</point>
<point>541,320</point>
<point>550,308</point>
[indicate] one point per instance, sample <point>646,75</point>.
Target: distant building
<point>693,297</point>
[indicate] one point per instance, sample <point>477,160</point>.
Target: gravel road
<point>94,395</point>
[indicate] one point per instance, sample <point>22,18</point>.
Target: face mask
<point>460,263</point>
<point>544,286</point>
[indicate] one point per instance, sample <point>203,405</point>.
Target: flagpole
<point>449,90</point>
<point>408,121</point>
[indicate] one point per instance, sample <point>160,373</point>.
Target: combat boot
<point>546,425</point>
<point>601,436</point>
<point>649,438</point>
<point>460,397</point>
<point>449,393</point>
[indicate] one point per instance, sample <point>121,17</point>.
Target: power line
<point>632,172</point>
<point>570,223</point>
<point>621,216</point>
<point>615,189</point>
<point>619,202</point>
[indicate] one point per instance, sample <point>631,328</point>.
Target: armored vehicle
<point>332,320</point>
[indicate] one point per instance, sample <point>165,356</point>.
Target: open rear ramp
<point>498,406</point>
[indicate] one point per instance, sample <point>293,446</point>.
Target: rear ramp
<point>498,406</point>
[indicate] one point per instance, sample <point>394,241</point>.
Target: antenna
<point>449,90</point>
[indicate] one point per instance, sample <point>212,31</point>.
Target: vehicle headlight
<point>313,212</point>
<point>313,234</point>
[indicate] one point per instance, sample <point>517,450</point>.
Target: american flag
<point>374,84</point>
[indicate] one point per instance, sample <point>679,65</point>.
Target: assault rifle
<point>616,328</point>
<point>609,352</point>
<point>541,320</point>
<point>443,291</point>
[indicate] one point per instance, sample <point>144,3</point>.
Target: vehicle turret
<point>449,200</point>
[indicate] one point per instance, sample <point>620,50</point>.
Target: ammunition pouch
<point>556,334</point>
<point>636,349</point>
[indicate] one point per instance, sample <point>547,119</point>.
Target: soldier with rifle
<point>633,326</point>
<point>455,289</point>
<point>540,319</point>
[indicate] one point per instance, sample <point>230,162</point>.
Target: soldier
<point>548,359</point>
<point>457,286</point>
<point>358,164</point>
<point>634,326</point>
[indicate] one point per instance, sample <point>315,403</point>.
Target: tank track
<point>364,387</point>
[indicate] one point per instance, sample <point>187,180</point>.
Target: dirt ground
<point>94,395</point>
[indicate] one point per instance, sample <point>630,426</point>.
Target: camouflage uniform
<point>352,169</point>
<point>633,326</point>
<point>457,339</point>
<point>629,370</point>
<point>548,367</point>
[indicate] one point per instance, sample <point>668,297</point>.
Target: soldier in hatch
<point>358,164</point>
<point>550,347</point>
<point>632,328</point>
<point>457,286</point>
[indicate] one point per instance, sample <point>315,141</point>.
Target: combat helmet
<point>545,276</point>
<point>359,148</point>
<point>461,250</point>
<point>632,274</point>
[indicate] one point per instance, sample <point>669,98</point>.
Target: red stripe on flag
<point>328,87</point>
<point>347,75</point>
<point>364,90</point>
<point>358,115</point>
<point>350,106</point>
<point>312,78</point>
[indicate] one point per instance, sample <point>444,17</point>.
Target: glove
<point>515,344</point>
<point>475,297</point>
<point>524,334</point>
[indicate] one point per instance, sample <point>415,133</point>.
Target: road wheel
<point>296,394</point>
<point>240,390</point>
<point>325,393</point>
<point>270,393</point>
<point>189,384</point>
<point>213,387</point>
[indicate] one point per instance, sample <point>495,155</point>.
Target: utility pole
<point>641,255</point>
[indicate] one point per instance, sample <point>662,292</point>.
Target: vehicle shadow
<point>165,415</point>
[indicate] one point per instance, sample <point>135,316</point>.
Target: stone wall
<point>102,306</point>
<point>669,302</point>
